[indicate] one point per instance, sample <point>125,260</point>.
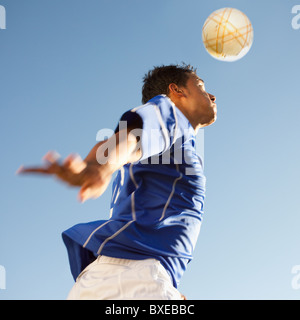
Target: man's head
<point>182,85</point>
<point>157,81</point>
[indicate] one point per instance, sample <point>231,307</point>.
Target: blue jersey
<point>157,202</point>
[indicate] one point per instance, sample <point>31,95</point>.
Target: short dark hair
<point>157,80</point>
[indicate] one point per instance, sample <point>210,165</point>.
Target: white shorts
<point>120,279</point>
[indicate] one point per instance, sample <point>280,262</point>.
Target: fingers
<point>54,167</point>
<point>51,157</point>
<point>88,191</point>
<point>23,170</point>
<point>75,172</point>
<point>74,163</point>
<point>91,190</point>
<point>84,194</point>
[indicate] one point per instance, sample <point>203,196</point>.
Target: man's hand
<point>91,177</point>
<point>94,173</point>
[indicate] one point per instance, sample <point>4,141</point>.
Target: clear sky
<point>70,68</point>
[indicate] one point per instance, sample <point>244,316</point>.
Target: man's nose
<point>212,97</point>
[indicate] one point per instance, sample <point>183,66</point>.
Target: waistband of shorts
<point>124,262</point>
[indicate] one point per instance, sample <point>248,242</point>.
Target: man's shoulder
<point>159,101</point>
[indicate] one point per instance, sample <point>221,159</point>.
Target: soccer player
<point>143,249</point>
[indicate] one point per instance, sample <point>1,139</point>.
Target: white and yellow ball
<point>227,34</point>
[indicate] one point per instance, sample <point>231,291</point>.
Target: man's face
<point>199,104</point>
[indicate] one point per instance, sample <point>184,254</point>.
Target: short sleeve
<point>158,125</point>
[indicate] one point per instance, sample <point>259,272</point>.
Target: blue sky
<point>70,68</point>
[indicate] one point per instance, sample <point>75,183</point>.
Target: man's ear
<point>174,89</point>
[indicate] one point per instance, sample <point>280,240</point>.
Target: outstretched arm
<point>92,174</point>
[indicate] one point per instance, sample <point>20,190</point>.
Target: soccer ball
<point>227,34</point>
